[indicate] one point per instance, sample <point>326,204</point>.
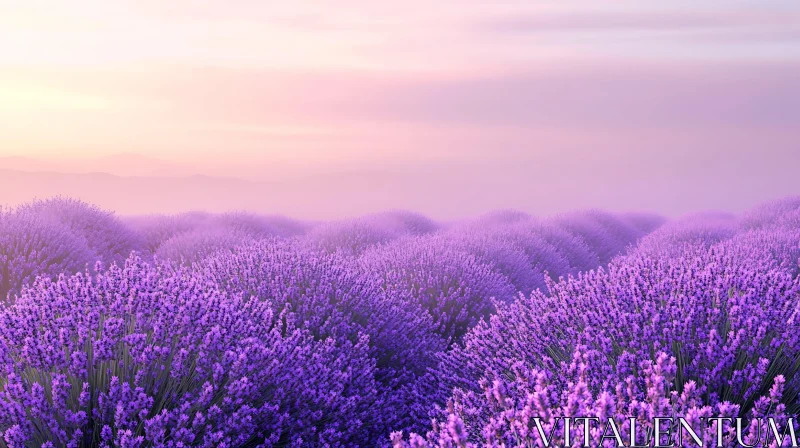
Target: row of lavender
<point>698,321</point>
<point>244,330</point>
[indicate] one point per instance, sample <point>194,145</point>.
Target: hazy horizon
<point>441,191</point>
<point>448,108</point>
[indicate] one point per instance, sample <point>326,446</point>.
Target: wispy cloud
<point>643,21</point>
<point>371,79</point>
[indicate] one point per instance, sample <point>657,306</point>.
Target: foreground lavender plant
<point>724,313</point>
<point>144,356</point>
<point>531,410</point>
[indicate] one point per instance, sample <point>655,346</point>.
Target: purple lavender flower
<point>531,410</point>
<point>724,313</point>
<point>151,356</point>
<point>331,297</point>
<point>454,287</point>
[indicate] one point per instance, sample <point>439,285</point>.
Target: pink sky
<point>354,83</point>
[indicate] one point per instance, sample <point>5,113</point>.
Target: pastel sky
<point>413,81</point>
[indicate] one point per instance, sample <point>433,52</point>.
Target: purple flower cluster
<point>553,248</point>
<point>139,356</point>
<point>524,269</point>
<point>691,307</point>
<point>454,287</point>
<point>716,314</point>
<point>526,252</point>
<point>332,299</point>
<point>531,410</point>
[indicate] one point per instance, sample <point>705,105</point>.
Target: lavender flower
<point>150,356</point>
<point>455,288</point>
<point>531,410</point>
<point>330,297</point>
<point>725,315</point>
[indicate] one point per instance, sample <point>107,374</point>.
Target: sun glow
<point>22,97</point>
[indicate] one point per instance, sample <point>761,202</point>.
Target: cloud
<point>641,20</point>
<point>614,94</point>
<point>586,96</point>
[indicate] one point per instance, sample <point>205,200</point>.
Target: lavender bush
<point>194,246</point>
<point>330,297</point>
<point>725,315</point>
<point>572,248</point>
<point>504,255</point>
<point>155,230</point>
<point>406,222</point>
<point>498,218</point>
<point>105,234</point>
<point>143,356</point>
<point>530,411</point>
<point>605,234</point>
<point>191,229</point>
<point>257,226</point>
<point>783,213</point>
<point>455,288</point>
<point>644,222</point>
<point>699,229</point>
<point>34,245</point>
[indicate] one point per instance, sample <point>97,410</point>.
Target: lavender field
<point>391,329</point>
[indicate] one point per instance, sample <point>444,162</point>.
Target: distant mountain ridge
<point>122,164</point>
<point>324,197</point>
<point>139,165</point>
<point>439,190</point>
